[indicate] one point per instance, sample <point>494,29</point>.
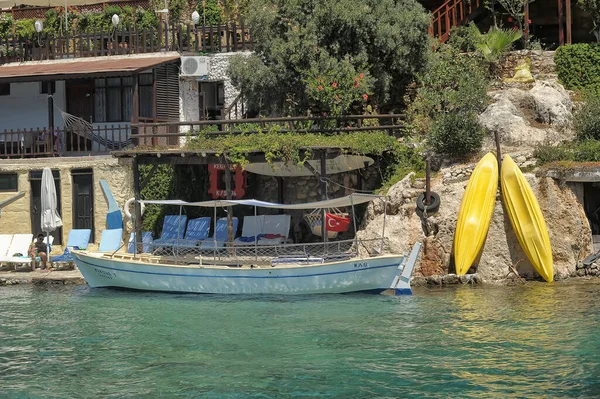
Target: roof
<point>80,68</point>
<point>349,200</point>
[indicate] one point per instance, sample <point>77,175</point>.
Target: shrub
<point>452,92</point>
<point>578,66</point>
<point>586,119</point>
<point>496,42</point>
<point>464,38</point>
<point>584,151</point>
<point>456,133</point>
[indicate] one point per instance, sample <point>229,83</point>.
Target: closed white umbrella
<point>50,219</point>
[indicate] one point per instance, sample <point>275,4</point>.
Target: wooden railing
<point>40,12</point>
<point>43,142</point>
<point>229,37</point>
<point>172,134</point>
<point>450,14</point>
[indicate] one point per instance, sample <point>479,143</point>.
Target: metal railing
<point>234,254</point>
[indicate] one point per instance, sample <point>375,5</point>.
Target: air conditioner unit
<point>194,66</point>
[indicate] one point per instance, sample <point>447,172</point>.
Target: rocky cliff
<point>570,233</point>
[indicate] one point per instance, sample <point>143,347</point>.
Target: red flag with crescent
<point>336,223</point>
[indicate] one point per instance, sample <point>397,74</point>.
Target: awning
<point>36,71</point>
<point>349,200</point>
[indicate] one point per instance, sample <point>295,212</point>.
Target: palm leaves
<point>495,42</point>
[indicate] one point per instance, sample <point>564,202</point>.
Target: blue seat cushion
<point>110,240</point>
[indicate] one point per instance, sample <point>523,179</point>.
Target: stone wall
<point>542,63</point>
<point>16,217</point>
<point>570,233</point>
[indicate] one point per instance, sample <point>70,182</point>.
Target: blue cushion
<point>146,240</point>
<point>173,227</point>
<point>110,240</point>
<point>79,238</point>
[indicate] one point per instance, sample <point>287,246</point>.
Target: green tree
<point>299,42</point>
<point>592,7</point>
<point>210,12</point>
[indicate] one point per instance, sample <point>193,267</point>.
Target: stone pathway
<point>11,277</point>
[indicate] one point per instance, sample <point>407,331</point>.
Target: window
<point>146,95</point>
<point>47,87</point>
<point>9,182</point>
<point>4,89</point>
<point>113,99</point>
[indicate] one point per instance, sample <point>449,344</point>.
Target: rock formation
<point>570,233</point>
<point>529,117</point>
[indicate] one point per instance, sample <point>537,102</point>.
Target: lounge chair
<point>146,241</point>
<point>252,227</point>
<point>196,231</point>
<point>77,239</point>
<point>18,251</point>
<point>275,230</point>
<point>110,241</point>
<point>5,240</point>
<point>173,228</point>
<point>221,234</point>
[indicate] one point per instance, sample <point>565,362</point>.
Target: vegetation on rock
<point>451,92</point>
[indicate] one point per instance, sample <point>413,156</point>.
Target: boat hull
<point>378,273</point>
<point>475,213</point>
<point>526,218</point>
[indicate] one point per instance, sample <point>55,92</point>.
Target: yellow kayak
<point>475,213</point>
<point>526,218</point>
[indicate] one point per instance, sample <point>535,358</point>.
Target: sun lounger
<point>146,242</point>
<point>251,228</point>
<point>77,239</point>
<point>5,240</point>
<point>196,231</point>
<point>275,230</point>
<point>18,251</point>
<point>110,240</point>
<point>173,228</point>
<point>221,235</point>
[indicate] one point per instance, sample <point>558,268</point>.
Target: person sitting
<point>39,248</point>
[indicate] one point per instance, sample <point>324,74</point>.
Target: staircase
<point>452,13</point>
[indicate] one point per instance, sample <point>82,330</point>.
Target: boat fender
<point>431,208</point>
<point>128,204</point>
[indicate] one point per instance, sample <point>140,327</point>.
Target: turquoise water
<point>537,341</point>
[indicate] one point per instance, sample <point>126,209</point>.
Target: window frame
<point>10,190</point>
<point>122,90</point>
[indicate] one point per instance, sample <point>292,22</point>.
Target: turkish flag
<point>336,223</point>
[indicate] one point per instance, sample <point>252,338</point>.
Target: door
<point>35,179</point>
<point>83,200</point>
<point>80,103</point>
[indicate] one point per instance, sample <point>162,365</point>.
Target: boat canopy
<point>349,200</point>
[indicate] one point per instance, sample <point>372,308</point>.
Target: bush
<point>584,151</point>
<point>578,66</point>
<point>464,38</point>
<point>586,119</point>
<point>456,133</point>
<point>452,92</point>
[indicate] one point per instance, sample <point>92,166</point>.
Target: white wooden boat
<point>317,268</point>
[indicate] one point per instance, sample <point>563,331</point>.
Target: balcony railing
<point>44,142</point>
<point>229,37</point>
<point>102,140</point>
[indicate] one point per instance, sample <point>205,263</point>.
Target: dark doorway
<point>83,200</point>
<point>591,200</point>
<point>80,103</point>
<point>35,179</point>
